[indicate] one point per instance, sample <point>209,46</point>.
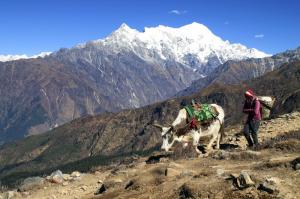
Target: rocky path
<point>273,171</point>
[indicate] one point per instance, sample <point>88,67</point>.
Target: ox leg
<point>209,146</point>
<point>196,138</point>
<point>218,141</point>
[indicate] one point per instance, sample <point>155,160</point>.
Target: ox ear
<point>158,126</point>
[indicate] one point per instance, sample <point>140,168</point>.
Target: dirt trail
<point>198,177</point>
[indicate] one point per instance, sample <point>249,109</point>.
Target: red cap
<point>249,93</point>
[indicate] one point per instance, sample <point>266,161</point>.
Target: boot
<point>249,140</point>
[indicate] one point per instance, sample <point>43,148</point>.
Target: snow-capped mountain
<point>192,45</point>
<point>4,58</point>
<point>127,69</point>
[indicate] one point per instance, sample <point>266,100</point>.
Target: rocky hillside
<point>127,69</point>
<point>271,172</point>
<point>90,141</point>
<point>233,72</point>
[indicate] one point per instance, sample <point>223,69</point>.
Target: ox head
<point>168,136</point>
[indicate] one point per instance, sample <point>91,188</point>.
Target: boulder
<point>67,177</point>
<point>75,174</point>
<point>56,177</point>
<point>242,181</point>
<point>57,172</point>
<point>296,163</point>
<point>246,179</point>
<point>31,183</point>
<point>100,190</point>
<point>297,166</point>
<point>270,185</point>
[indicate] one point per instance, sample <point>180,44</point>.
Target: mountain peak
<point>124,33</point>
<point>195,26</point>
<point>124,26</point>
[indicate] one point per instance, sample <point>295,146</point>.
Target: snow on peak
<point>193,40</point>
<point>5,58</point>
<point>124,27</point>
<point>196,27</point>
<point>122,33</point>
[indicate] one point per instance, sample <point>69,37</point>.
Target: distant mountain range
<point>233,72</point>
<point>127,69</point>
<point>88,141</point>
<point>5,58</point>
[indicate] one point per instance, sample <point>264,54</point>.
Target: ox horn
<point>158,126</point>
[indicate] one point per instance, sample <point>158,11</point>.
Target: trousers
<point>250,132</point>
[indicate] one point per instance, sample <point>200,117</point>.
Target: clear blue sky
<point>31,26</point>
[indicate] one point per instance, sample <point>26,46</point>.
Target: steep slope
<point>110,135</point>
<point>174,176</point>
<point>233,72</point>
<point>128,69</point>
<point>38,94</point>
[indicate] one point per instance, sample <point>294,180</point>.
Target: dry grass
<point>288,142</point>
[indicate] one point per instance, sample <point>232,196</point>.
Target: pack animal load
<point>267,103</point>
<point>201,114</point>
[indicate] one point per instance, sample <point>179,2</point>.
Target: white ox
<point>170,136</point>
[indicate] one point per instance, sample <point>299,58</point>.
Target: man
<point>252,108</point>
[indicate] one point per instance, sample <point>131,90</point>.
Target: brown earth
<point>81,144</point>
<point>198,177</point>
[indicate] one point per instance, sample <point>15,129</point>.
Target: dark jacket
<point>252,108</point>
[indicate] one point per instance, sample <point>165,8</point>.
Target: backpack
<point>267,103</point>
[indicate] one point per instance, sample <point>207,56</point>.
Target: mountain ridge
<point>233,72</point>
<point>125,70</point>
<point>191,45</point>
<point>131,130</point>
